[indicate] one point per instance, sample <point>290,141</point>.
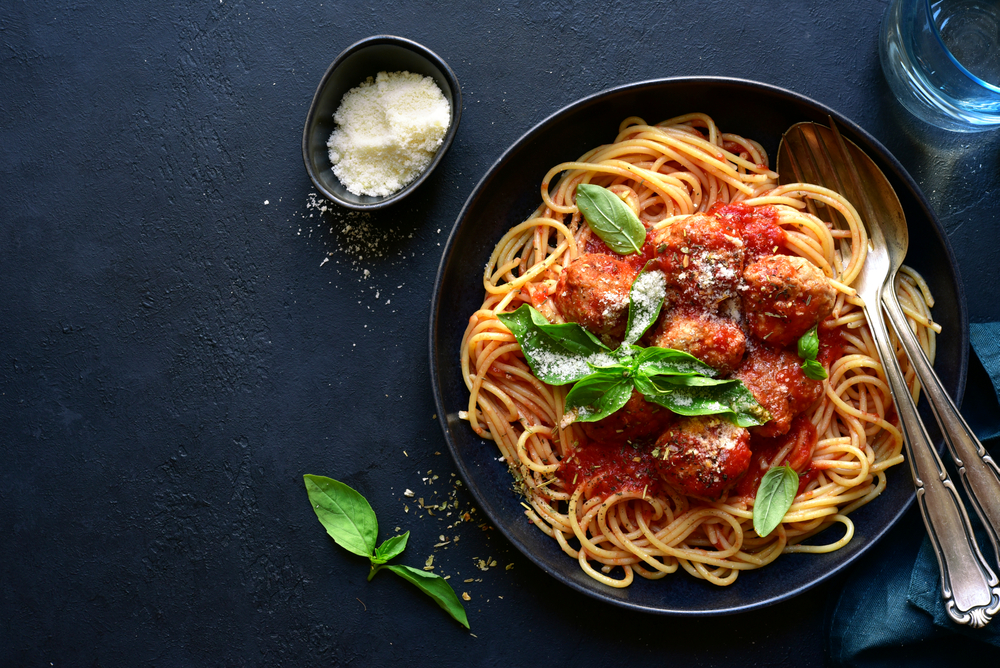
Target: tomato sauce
<point>758,227</point>
<point>616,463</point>
<point>635,261</point>
<point>831,345</point>
<point>802,435</point>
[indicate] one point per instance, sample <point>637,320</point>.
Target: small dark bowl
<point>355,64</point>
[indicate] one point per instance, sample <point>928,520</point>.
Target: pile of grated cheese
<point>388,130</point>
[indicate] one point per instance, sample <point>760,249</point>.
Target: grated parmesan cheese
<point>388,130</point>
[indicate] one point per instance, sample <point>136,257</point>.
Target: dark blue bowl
<point>510,192</point>
<point>355,64</point>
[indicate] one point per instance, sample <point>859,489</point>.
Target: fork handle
<point>979,472</point>
<point>968,585</point>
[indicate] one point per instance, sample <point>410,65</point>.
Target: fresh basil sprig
<point>351,522</point>
<point>774,497</point>
<point>808,350</point>
<point>605,378</point>
<point>610,218</point>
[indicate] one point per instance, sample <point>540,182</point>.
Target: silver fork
<point>970,588</point>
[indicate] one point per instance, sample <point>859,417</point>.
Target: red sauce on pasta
<point>622,468</point>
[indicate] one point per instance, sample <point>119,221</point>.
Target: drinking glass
<point>942,61</point>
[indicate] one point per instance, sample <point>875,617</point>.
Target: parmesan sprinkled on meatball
<point>593,292</point>
<point>776,380</point>
<point>702,456</point>
<point>701,258</point>
<point>716,341</point>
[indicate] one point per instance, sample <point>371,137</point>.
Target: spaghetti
<point>612,505</point>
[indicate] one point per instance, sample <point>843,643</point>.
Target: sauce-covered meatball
<point>702,456</point>
<point>776,380</point>
<point>701,257</point>
<point>785,296</point>
<point>636,421</point>
<point>593,292</point>
<point>718,342</point>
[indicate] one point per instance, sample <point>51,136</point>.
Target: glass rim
<point>937,35</point>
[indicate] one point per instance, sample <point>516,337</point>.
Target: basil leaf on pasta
<point>809,344</point>
<point>814,370</point>
<point>610,218</point>
<point>557,354</point>
<point>600,394</point>
<point>645,299</point>
<point>808,350</point>
<point>655,361</point>
<point>690,396</point>
<point>774,497</point>
<point>346,515</point>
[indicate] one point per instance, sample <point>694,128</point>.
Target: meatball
<point>593,292</point>
<point>701,257</point>
<point>636,421</point>
<point>785,296</point>
<point>702,456</point>
<point>718,342</point>
<point>776,380</point>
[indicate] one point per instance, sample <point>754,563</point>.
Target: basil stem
<point>610,219</point>
<point>775,496</point>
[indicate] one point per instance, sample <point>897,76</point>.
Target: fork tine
<point>796,142</point>
<point>870,218</point>
<point>821,170</point>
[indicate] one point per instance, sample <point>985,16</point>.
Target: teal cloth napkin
<point>890,611</point>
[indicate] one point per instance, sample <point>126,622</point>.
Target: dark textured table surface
<point>185,332</point>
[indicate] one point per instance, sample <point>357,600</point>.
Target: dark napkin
<point>889,611</point>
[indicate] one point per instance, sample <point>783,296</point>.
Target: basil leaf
<point>774,497</point>
<point>692,396</point>
<point>645,299</point>
<point>557,354</point>
<point>347,516</point>
<point>391,547</point>
<point>669,362</point>
<point>435,587</point>
<point>600,394</point>
<point>813,369</point>
<point>575,337</point>
<point>694,381</point>
<point>610,218</point>
<point>809,344</point>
